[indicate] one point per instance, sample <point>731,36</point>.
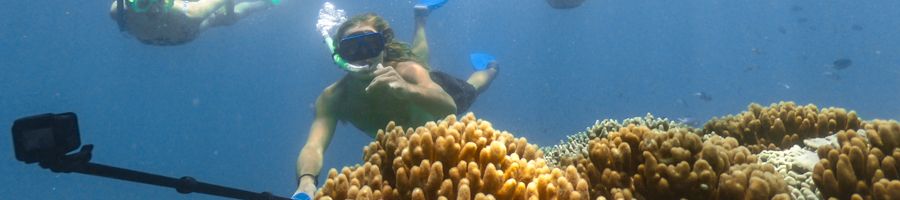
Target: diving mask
<point>361,46</point>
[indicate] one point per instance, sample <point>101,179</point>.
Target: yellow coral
<point>857,169</point>
<point>453,159</point>
<point>751,182</point>
<point>782,125</point>
<point>467,158</point>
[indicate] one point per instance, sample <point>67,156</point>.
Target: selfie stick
<point>45,139</point>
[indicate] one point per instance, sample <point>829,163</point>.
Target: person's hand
<point>389,80</point>
<point>306,187</point>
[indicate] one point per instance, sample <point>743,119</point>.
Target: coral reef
<point>781,125</point>
<point>576,144</point>
<point>861,167</point>
<point>643,163</point>
<point>783,151</point>
<point>450,159</point>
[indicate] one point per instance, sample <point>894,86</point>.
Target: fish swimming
<point>842,63</point>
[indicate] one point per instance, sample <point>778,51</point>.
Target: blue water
<point>234,106</point>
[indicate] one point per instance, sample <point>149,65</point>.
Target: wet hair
<point>395,50</point>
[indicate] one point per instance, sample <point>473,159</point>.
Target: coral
<point>450,159</point>
<point>645,163</point>
<point>781,125</point>
<point>796,165</point>
<point>857,169</point>
<point>752,181</point>
<point>884,135</point>
<point>885,190</point>
<point>576,144</point>
<point>641,158</point>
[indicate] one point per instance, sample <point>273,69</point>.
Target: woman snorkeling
<point>386,81</point>
<point>175,22</point>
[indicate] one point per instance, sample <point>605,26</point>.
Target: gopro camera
<point>45,137</point>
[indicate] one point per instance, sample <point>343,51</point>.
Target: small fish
<point>842,63</point>
<point>802,20</point>
<point>796,8</point>
<point>856,27</point>
<point>703,96</point>
<point>782,30</point>
<point>831,75</point>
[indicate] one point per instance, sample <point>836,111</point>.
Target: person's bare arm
<point>310,159</point>
<point>411,81</point>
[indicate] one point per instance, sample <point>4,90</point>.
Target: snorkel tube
<point>337,58</point>
<point>329,17</point>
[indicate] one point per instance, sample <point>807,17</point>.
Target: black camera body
<point>45,137</point>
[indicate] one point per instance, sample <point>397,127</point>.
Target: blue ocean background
<point>234,106</point>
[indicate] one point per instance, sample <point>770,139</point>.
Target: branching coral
<point>643,158</point>
<point>450,159</point>
<point>781,125</point>
<point>752,182</point>
<point>645,163</point>
<point>857,169</point>
<point>576,144</point>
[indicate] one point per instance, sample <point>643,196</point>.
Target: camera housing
<point>45,137</point>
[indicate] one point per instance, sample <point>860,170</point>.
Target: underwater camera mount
<point>47,139</point>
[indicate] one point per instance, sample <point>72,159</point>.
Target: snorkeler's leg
<point>200,10</point>
<point>420,42</point>
<point>243,9</point>
<point>482,79</point>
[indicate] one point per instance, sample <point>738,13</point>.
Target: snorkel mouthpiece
<point>358,68</point>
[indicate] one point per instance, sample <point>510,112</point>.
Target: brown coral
<point>645,163</point>
<point>468,159</point>
<point>781,125</point>
<point>450,159</point>
<point>752,182</point>
<point>858,169</point>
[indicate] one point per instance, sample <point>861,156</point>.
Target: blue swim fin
<point>432,4</point>
<point>480,61</point>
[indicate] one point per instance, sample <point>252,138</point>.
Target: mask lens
<point>361,46</point>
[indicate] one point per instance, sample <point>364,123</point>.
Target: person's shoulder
<point>410,68</point>
<point>410,64</point>
<point>332,91</point>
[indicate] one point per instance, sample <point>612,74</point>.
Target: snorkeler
<point>175,22</point>
<point>385,81</point>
